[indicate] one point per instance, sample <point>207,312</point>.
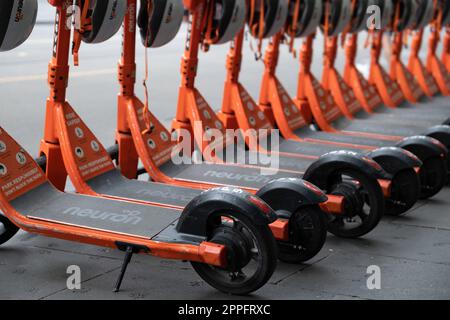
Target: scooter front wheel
<point>251,254</point>
<point>7,229</point>
<point>307,235</point>
<point>405,192</point>
<point>364,204</point>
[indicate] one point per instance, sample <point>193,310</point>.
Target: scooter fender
<point>197,214</point>
<point>441,133</point>
<point>333,162</point>
<point>394,160</point>
<point>288,195</point>
<point>423,147</point>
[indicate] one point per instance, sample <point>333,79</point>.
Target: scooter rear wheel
<point>364,204</point>
<point>404,193</point>
<point>251,254</point>
<point>7,229</point>
<point>307,235</point>
<point>433,176</point>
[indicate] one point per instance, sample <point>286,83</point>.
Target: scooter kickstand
<point>128,254</point>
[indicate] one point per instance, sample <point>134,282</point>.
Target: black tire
<point>433,177</point>
<point>307,235</point>
<point>267,248</point>
<point>373,197</point>
<point>7,229</point>
<point>405,192</point>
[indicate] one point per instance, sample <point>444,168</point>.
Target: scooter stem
<point>305,58</point>
<point>189,63</point>
<point>58,70</point>
<point>58,74</point>
<point>329,58</point>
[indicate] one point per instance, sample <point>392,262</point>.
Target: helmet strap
<point>85,25</point>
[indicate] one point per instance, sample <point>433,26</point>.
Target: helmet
<point>17,19</point>
<point>310,14</point>
<point>275,16</point>
<point>339,16</point>
<point>359,17</point>
<point>387,12</point>
<point>163,23</point>
<point>407,14</point>
<point>106,16</point>
<point>425,13</point>
<point>444,6</point>
<point>228,18</point>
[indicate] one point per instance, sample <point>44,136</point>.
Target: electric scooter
<point>154,148</point>
<point>223,232</point>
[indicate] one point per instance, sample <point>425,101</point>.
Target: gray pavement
<point>412,251</point>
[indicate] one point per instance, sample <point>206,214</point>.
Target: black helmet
<point>339,16</point>
<point>387,12</point>
<point>407,14</point>
<point>359,17</point>
<point>227,19</point>
<point>275,16</point>
<point>17,19</point>
<point>106,16</point>
<point>309,16</point>
<point>162,24</point>
<point>444,6</point>
<point>425,14</point>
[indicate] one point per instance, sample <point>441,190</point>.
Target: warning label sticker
<point>19,173</point>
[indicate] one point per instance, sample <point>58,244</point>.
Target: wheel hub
<point>353,197</point>
<point>238,247</point>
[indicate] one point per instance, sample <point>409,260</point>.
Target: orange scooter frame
<point>415,66</point>
<point>435,66</point>
<point>407,82</point>
<point>365,92</point>
<point>312,96</point>
<point>389,90</point>
<point>445,56</point>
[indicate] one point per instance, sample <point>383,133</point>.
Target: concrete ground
<point>413,251</point>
